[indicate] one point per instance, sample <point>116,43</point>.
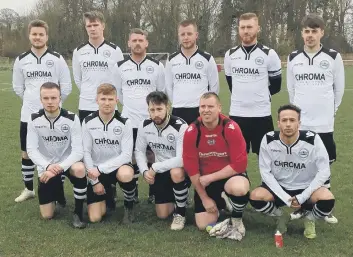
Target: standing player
<point>54,144</point>
<point>214,155</point>
<point>253,73</point>
<point>315,81</point>
<point>30,71</point>
<point>294,166</point>
<point>107,155</point>
<point>190,72</point>
<point>164,134</point>
<point>92,63</point>
<point>136,77</point>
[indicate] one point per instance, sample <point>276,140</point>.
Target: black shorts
<point>107,180</point>
<point>214,191</point>
<point>329,142</point>
<point>82,114</point>
<point>53,190</point>
<point>278,201</point>
<point>189,115</point>
<point>163,188</point>
<point>253,130</point>
<point>23,136</point>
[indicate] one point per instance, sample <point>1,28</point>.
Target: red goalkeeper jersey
<point>208,151</point>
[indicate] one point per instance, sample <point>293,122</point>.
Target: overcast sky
<point>20,6</point>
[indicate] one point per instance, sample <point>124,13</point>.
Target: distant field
<point>23,233</point>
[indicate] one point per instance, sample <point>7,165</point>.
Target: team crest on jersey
<point>107,54</point>
<point>65,128</point>
<point>259,60</point>
<point>211,141</point>
<point>171,138</point>
<point>303,153</point>
<point>199,65</point>
<point>117,130</point>
<point>150,69</point>
<point>49,63</point>
<point>324,64</point>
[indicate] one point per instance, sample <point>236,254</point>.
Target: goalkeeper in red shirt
<point>215,158</point>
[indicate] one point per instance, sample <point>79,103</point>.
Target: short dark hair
<point>38,23</point>
<point>139,32</point>
<point>93,16</point>
<point>248,16</point>
<point>157,97</point>
<point>313,21</point>
<point>289,107</point>
<point>188,22</point>
<point>209,95</point>
<point>50,85</point>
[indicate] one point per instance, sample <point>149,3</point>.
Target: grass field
<point>23,233</point>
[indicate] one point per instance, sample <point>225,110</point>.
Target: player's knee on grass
<point>163,211</point>
<point>96,211</point>
<point>78,170</point>
<point>47,211</point>
<point>261,194</point>
<point>177,175</point>
<point>24,155</point>
<point>321,194</point>
<point>125,174</point>
<point>237,186</point>
<point>204,219</point>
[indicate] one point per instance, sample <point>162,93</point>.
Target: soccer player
<point>253,73</point>
<point>315,81</point>
<point>190,72</point>
<point>31,69</point>
<point>136,77</point>
<point>294,166</point>
<point>54,144</point>
<point>107,155</point>
<point>215,158</point>
<point>93,62</point>
<point>164,134</point>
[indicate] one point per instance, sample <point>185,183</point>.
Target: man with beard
<point>107,155</point>
<point>253,73</point>
<point>93,62</point>
<point>294,166</point>
<point>164,134</point>
<point>32,69</point>
<point>54,143</point>
<point>190,72</point>
<point>136,77</point>
<point>315,81</point>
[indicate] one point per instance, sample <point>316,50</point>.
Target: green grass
<point>23,233</point>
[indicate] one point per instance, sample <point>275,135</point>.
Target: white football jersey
<point>54,142</point>
<point>134,81</point>
<point>31,72</point>
<point>302,165</point>
<point>166,144</point>
<point>188,78</point>
<point>92,67</point>
<point>316,85</point>
<point>107,146</point>
<point>250,74</point>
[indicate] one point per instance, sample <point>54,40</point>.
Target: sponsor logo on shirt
<point>54,138</point>
<point>117,130</point>
<point>245,71</point>
<point>171,138</point>
<point>259,60</point>
<point>213,154</point>
<point>65,128</point>
<point>36,74</point>
<point>188,76</point>
<point>134,82</point>
<point>310,76</point>
<point>294,165</point>
<point>212,135</point>
<point>324,64</point>
<point>105,141</point>
<point>199,65</point>
<point>159,146</point>
<point>95,64</point>
<point>49,63</point>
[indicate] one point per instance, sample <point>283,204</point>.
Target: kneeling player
<point>214,155</point>
<point>54,144</point>
<point>107,155</point>
<point>164,134</point>
<point>294,166</point>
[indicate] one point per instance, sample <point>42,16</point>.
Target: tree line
<point>217,21</point>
